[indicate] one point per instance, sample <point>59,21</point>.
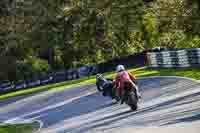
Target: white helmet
<point>120,68</point>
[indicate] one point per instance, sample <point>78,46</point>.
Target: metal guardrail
<point>179,58</point>
<point>52,78</point>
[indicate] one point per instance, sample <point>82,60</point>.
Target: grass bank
<point>138,72</point>
<point>17,128</point>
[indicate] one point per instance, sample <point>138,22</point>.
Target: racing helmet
<point>120,68</point>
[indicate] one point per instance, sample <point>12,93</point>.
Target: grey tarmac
<point>169,104</point>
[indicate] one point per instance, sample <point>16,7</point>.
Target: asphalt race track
<point>169,104</point>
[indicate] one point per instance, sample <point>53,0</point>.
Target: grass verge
<point>138,72</point>
<point>17,128</point>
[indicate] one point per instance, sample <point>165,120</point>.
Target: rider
<point>122,77</point>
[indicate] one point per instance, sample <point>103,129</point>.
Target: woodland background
<point>40,36</point>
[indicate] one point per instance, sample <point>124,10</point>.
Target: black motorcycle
<point>105,85</point>
<point>129,96</point>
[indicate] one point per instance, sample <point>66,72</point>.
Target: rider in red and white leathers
<point>122,77</point>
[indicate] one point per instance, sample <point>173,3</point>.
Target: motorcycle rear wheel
<point>132,101</point>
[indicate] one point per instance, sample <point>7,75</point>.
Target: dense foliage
<point>38,36</point>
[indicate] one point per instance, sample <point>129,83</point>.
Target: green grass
<point>193,73</point>
<point>56,86</point>
<point>138,72</point>
<point>18,128</point>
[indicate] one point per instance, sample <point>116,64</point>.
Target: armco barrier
<point>52,78</point>
<point>179,58</point>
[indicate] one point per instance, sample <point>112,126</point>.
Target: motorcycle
<point>130,96</point>
<point>106,86</point>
